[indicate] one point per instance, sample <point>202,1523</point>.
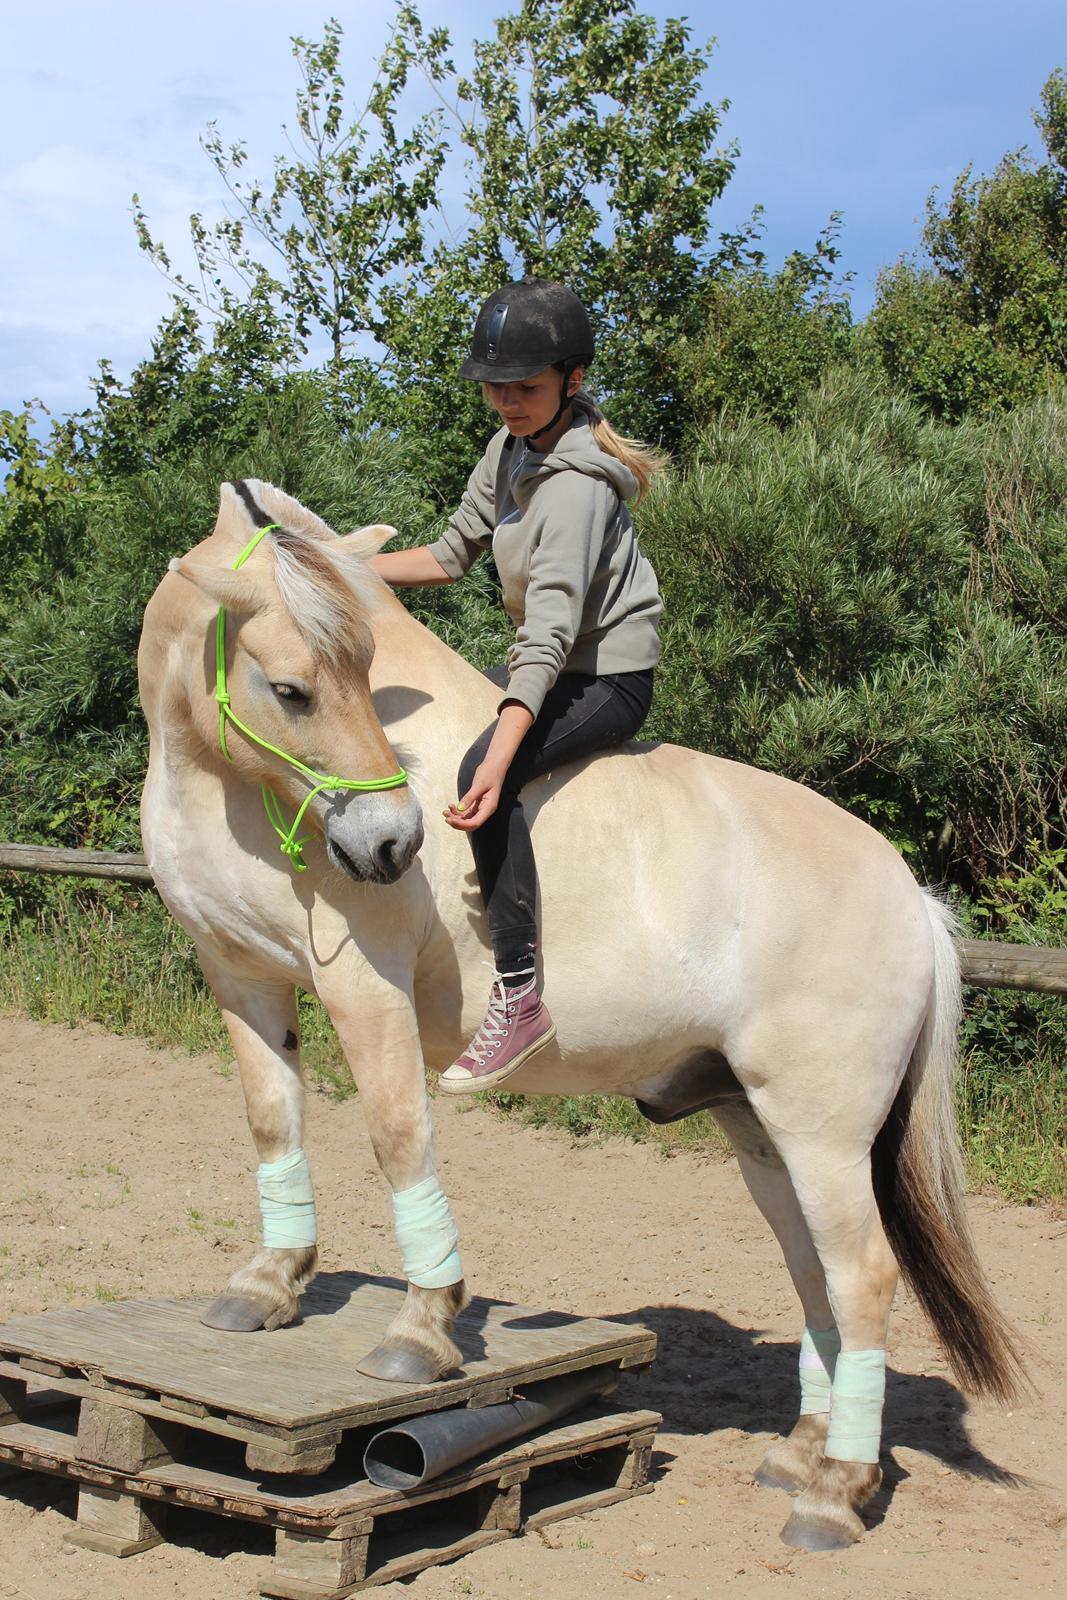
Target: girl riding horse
<point>549,497</point>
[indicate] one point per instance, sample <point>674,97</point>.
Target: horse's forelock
<point>326,592</point>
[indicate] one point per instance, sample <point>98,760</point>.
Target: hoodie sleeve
<point>573,513</point>
<point>470,530</point>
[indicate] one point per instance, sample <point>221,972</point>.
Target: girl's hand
<point>479,802</point>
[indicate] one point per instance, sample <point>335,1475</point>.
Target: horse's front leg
<point>377,1028</point>
<point>261,1018</point>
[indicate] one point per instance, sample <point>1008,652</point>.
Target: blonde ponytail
<point>643,460</point>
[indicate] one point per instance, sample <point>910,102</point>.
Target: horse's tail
<point>917,1171</point>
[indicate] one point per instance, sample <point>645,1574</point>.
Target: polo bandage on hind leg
<point>856,1406</point>
<point>819,1350</point>
<point>287,1202</point>
<point>427,1236</point>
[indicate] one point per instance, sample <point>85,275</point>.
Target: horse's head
<point>298,645</point>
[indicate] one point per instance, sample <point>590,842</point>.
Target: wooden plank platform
<point>338,1533</point>
<point>291,1396</point>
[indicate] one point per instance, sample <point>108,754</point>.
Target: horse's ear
<point>237,591</point>
<point>366,542</point>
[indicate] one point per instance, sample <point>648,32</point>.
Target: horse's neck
<point>430,701</point>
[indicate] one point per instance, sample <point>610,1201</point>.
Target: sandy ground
<point>126,1172</point>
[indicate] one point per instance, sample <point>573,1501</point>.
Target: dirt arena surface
<point>126,1171</point>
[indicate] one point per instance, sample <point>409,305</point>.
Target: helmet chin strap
<point>564,402</point>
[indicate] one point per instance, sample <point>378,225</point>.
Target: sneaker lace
<point>495,1027</point>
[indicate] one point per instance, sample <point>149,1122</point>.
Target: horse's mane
<point>325,584</point>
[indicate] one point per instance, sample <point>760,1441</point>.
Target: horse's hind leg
<point>791,1462</point>
<point>833,1185</point>
<point>261,1018</point>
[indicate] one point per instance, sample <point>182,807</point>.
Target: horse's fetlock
<point>791,1463</point>
<point>276,1277</point>
<point>425,1321</point>
<point>450,1302</point>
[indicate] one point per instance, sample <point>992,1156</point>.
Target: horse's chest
<point>226,913</point>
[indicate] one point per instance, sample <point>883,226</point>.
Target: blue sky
<point>861,106</point>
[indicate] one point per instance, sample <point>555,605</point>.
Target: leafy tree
<point>767,338</point>
<point>343,212</point>
<point>981,322</point>
<point>37,479</point>
<point>591,159</point>
<point>195,386</point>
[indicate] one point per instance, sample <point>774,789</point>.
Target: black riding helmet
<point>526,327</point>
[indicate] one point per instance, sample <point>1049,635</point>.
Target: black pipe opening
<point>394,1460</point>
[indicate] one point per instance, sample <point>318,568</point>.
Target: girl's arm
<point>405,568</point>
<point>483,796</point>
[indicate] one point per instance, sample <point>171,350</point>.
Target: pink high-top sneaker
<point>516,1026</point>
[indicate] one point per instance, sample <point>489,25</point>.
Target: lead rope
<point>291,846</point>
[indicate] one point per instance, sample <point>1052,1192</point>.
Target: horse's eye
<point>292,695</point>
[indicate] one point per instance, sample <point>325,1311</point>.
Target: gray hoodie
<point>582,596</point>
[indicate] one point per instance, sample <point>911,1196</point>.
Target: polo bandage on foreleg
<point>856,1406</point>
<point>819,1350</point>
<point>287,1202</point>
<point>427,1236</point>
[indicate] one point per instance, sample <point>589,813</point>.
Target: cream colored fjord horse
<point>713,935</point>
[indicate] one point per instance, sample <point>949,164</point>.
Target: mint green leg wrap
<point>427,1236</point>
<point>819,1350</point>
<point>287,1202</point>
<point>856,1406</point>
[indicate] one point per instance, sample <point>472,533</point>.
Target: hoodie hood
<point>577,451</point>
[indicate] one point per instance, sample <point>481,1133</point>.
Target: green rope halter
<point>291,846</point>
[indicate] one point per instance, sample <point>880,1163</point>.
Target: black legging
<point>580,714</point>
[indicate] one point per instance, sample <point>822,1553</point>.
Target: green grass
<point>1013,1094</point>
<point>117,958</point>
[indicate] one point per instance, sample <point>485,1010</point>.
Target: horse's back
<point>715,905</point>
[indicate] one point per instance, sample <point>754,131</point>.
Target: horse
<point>735,942</point>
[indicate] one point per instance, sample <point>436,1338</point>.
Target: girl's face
<point>530,404</point>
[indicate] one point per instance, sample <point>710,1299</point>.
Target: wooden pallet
<point>337,1533</point>
<point>289,1397</point>
<point>144,1407</point>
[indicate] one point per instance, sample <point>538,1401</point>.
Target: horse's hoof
<point>400,1364</point>
<point>811,1533</point>
<point>237,1314</point>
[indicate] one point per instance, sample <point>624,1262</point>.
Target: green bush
<point>872,603</point>
<point>976,322</point>
<point>768,339</point>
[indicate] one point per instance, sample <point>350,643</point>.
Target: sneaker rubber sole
<point>490,1080</point>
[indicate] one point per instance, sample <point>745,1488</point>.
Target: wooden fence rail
<point>985,965</point>
<point>75,863</point>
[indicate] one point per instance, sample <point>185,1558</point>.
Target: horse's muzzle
<point>375,843</point>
